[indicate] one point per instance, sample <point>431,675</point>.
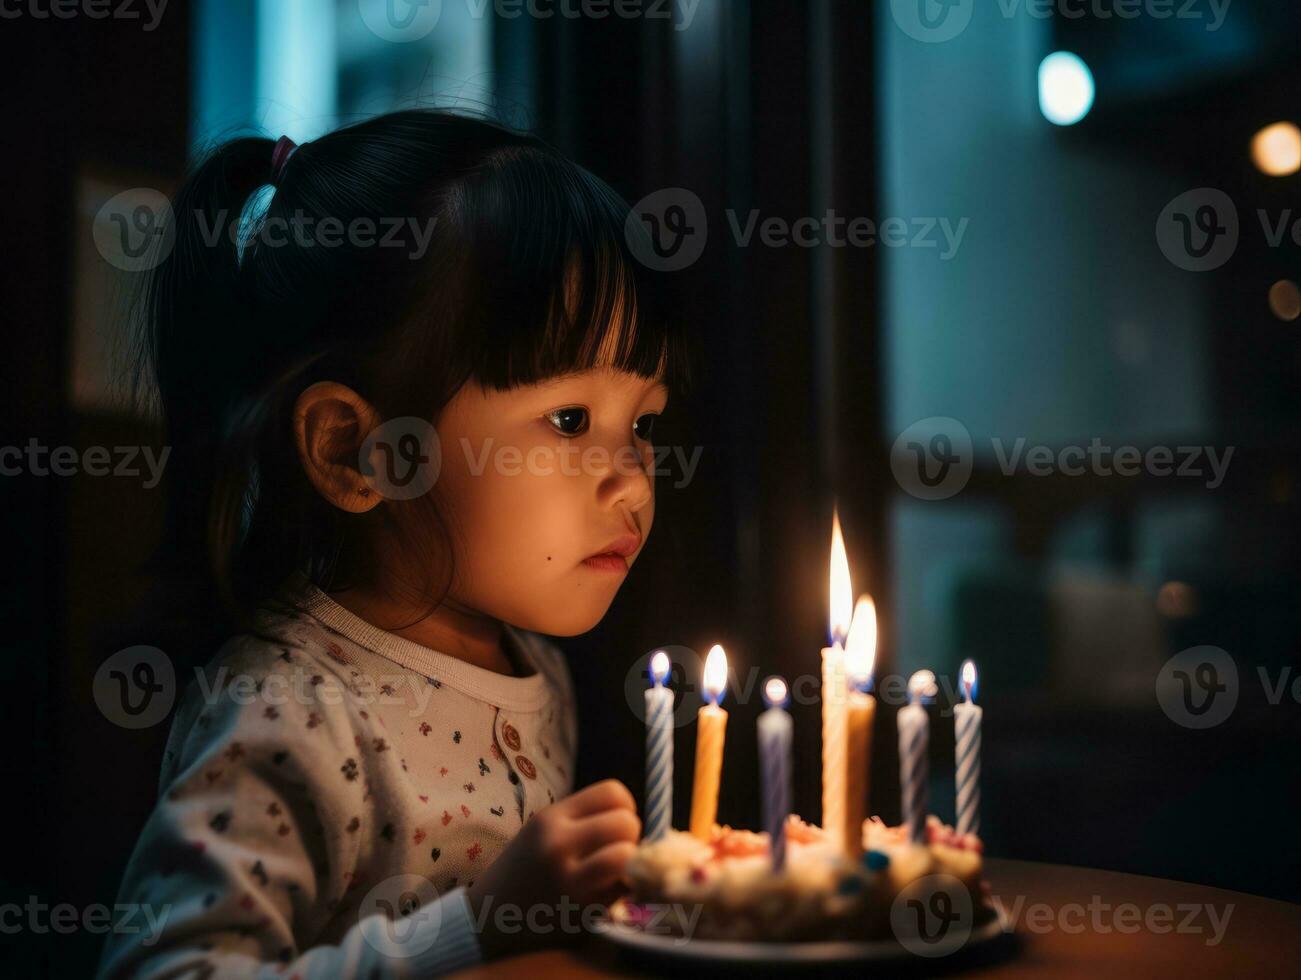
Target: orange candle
<point>710,732</point>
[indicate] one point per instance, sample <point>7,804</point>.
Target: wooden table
<point>1068,922</point>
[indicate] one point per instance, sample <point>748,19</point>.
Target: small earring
<point>364,491</point>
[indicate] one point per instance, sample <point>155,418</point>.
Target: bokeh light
<point>1276,149</point>
<point>1066,88</point>
<point>1285,300</point>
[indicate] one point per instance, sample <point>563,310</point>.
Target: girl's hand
<point>576,849</point>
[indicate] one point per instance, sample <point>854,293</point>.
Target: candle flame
<point>715,679</point>
<point>860,647</point>
<point>841,594</point>
<point>660,668</point>
<point>921,686</point>
<point>774,691</point>
<point>969,679</point>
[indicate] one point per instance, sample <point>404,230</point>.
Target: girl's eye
<point>644,427</point>
<point>569,421</point>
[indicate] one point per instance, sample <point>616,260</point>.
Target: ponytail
<point>193,306</point>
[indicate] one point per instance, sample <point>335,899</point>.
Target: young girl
<point>410,399</point>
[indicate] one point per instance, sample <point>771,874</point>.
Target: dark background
<point>1059,321</point>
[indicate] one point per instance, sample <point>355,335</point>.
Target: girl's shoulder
<point>283,636</point>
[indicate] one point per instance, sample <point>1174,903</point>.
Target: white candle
<point>914,770</point>
<point>966,721</point>
<point>835,694</point>
<point>860,656</point>
<point>659,750</point>
<point>775,733</point>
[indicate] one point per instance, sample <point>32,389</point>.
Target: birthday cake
<point>726,888</point>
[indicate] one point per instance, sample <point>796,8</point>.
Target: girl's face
<point>537,481</point>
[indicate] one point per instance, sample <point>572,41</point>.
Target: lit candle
<point>860,656</point>
<point>710,729</point>
<point>775,731</point>
<point>835,730</point>
<point>914,731</point>
<point>659,749</point>
<point>966,720</point>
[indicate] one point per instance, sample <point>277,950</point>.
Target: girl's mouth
<point>607,562</point>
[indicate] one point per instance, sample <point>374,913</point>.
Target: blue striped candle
<point>659,750</point>
<point>775,732</point>
<point>966,721</point>
<point>914,768</point>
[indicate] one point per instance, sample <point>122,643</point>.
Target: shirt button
<point>526,767</point>
<point>510,736</point>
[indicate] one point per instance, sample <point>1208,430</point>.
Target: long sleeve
<point>252,862</point>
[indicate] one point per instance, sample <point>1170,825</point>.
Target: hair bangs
<point>568,293</point>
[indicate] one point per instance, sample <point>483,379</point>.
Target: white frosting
<point>819,893</point>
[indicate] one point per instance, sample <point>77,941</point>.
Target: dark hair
<point>522,274</point>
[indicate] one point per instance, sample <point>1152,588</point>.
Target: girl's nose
<point>628,480</point>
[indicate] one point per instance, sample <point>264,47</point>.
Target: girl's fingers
<point>609,794</point>
<point>602,870</point>
<point>592,833</point>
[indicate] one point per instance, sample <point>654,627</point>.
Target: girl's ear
<point>331,422</point>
